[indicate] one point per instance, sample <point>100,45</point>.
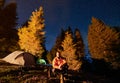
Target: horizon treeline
<point>103,40</point>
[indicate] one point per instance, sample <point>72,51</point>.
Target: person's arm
<point>62,63</point>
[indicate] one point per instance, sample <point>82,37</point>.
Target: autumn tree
<point>104,42</point>
<point>56,46</point>
<point>8,31</point>
<point>79,43</point>
<point>32,37</point>
<point>69,51</point>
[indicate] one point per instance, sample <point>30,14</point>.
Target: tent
<point>41,61</point>
<point>20,58</point>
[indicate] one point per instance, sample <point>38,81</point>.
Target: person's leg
<point>56,72</point>
<point>65,69</point>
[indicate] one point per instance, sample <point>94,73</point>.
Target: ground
<point>16,74</point>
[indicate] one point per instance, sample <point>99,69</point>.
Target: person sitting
<point>59,64</point>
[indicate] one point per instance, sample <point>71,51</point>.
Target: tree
<point>104,42</point>
<point>32,38</point>
<point>79,43</point>
<point>56,46</point>
<point>93,34</point>
<point>69,52</point>
<point>8,31</point>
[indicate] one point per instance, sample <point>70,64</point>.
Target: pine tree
<point>32,38</point>
<point>79,43</point>
<point>8,31</point>
<point>103,42</point>
<point>112,50</point>
<point>69,52</point>
<point>56,46</point>
<point>95,29</point>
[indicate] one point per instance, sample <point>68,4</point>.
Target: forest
<point>103,42</point>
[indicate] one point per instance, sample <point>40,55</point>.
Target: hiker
<point>59,64</point>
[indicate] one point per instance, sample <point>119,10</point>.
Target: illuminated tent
<point>20,58</point>
<point>41,61</point>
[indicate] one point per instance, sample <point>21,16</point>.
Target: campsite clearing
<point>10,73</point>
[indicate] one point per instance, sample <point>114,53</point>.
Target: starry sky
<point>74,13</point>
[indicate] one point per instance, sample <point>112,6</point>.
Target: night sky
<point>74,13</point>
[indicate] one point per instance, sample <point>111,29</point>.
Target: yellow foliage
<point>69,52</point>
<point>32,37</point>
